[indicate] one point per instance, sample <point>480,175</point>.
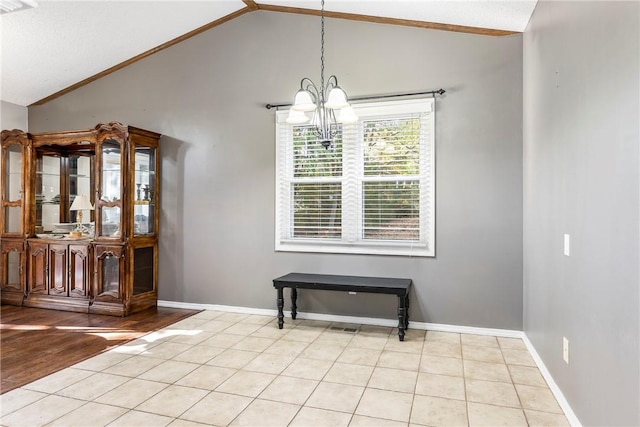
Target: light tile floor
<point>219,369</point>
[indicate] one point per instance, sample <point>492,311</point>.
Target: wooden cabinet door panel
<point>58,272</point>
<point>37,279</point>
<point>79,271</point>
<point>11,262</point>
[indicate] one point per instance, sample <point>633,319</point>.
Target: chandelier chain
<point>322,52</point>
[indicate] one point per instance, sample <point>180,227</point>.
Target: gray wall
<point>207,96</point>
<point>13,116</point>
<point>581,177</point>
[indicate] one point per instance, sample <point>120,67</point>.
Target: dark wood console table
<point>376,285</point>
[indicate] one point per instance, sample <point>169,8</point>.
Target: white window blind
<point>372,192</point>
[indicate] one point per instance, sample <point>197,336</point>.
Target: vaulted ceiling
<point>61,45</point>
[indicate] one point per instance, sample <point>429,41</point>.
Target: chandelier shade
<point>347,116</point>
<point>297,117</point>
<point>303,101</point>
<point>336,99</point>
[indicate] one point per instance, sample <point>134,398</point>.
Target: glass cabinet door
<point>144,197</point>
<point>144,267</point>
<point>58,181</point>
<point>110,268</point>
<point>110,175</point>
<point>47,190</point>
<point>13,188</point>
<point>80,185</point>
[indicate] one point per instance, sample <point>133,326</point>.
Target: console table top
<point>372,284</point>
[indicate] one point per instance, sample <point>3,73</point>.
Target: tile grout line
<point>513,383</point>
<point>314,389</point>
<point>294,326</point>
<point>464,382</point>
<point>159,391</point>
<point>319,381</point>
<point>368,381</point>
<point>256,397</point>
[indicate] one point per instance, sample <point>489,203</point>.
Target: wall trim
<point>375,321</point>
<point>508,333</point>
<point>562,401</point>
<point>228,308</point>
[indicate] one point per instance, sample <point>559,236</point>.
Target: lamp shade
<point>297,117</point>
<point>303,101</point>
<point>81,203</point>
<point>337,99</point>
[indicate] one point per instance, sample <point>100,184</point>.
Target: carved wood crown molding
<point>13,134</point>
<point>110,130</point>
<point>101,131</point>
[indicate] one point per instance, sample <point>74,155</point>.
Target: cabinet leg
<point>294,307</point>
<point>280,304</point>
<point>402,316</point>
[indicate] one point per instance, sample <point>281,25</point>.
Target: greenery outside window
<point>371,192</point>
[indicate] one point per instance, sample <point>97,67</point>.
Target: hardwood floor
<point>36,342</point>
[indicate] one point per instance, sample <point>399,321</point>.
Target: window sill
<point>378,248</point>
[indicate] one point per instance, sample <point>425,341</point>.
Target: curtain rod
<point>365,98</point>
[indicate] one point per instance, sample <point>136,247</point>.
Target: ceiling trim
<point>385,20</point>
<point>143,55</point>
<point>251,6</point>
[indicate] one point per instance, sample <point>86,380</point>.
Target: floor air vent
<point>343,329</point>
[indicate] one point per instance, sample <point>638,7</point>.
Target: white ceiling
<point>60,43</point>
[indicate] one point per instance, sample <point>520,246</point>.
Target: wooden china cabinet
<point>112,266</point>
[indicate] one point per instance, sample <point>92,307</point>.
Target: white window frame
<point>353,174</point>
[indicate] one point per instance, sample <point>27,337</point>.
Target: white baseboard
<point>375,321</point>
<point>571,416</point>
<point>507,333</point>
<point>562,401</point>
<point>228,308</point>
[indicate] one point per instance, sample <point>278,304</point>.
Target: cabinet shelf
<point>57,175</point>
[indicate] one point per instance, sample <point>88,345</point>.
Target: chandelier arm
<point>332,82</point>
<point>324,132</point>
<point>333,131</point>
<point>310,87</point>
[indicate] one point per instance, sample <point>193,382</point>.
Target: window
<point>371,192</point>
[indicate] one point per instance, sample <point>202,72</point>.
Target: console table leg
<point>280,308</point>
<point>402,316</point>
<point>406,317</point>
<point>294,307</point>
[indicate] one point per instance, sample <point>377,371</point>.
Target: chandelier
<point>323,101</point>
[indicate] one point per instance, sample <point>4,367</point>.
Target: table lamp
<point>80,203</point>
